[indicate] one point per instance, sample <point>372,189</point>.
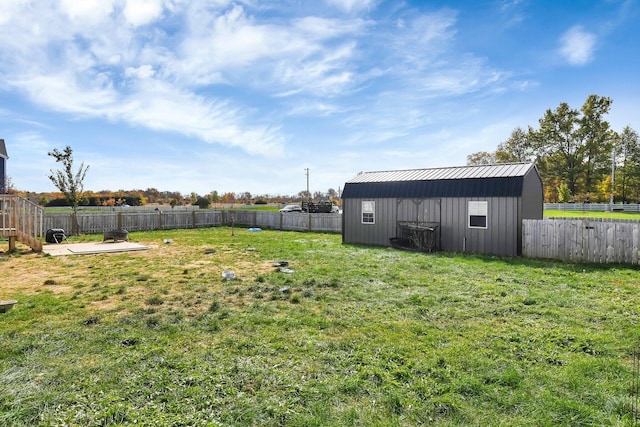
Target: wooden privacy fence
<point>582,240</point>
<point>98,222</point>
<point>566,239</point>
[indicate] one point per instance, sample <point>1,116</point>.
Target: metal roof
<point>506,170</point>
<point>504,180</point>
<point>3,150</point>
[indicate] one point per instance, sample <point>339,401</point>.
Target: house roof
<point>503,180</point>
<point>3,150</point>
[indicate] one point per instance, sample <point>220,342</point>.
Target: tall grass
<point>353,336</point>
<point>635,216</point>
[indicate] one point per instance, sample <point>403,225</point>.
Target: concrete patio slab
<point>91,248</point>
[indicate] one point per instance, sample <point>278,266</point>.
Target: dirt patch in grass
<point>24,272</point>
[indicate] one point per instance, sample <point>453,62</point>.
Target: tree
<point>627,172</point>
<point>245,197</point>
<point>557,143</point>
<point>597,139</point>
<point>214,197</point>
<point>574,145</point>
<point>69,183</point>
<point>6,186</point>
<point>203,203</point>
<point>228,197</point>
<point>193,198</point>
<point>481,158</point>
<point>152,195</point>
<point>304,195</point>
<point>564,196</point>
<point>515,149</point>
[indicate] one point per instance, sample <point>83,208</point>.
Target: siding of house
<point>3,176</point>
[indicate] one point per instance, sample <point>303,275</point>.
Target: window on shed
<point>368,212</point>
<point>478,214</point>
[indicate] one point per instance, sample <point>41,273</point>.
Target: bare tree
<point>69,183</point>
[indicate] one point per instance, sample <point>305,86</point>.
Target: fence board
<point>581,240</point>
<point>98,222</point>
<point>592,207</point>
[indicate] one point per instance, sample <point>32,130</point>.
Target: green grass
<point>241,207</point>
<point>355,336</point>
<point>592,214</point>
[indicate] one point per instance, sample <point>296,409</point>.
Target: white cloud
<point>577,46</point>
<point>353,5</point>
<point>87,12</point>
<point>10,9</point>
<point>301,55</point>
<point>417,41</point>
<point>142,12</point>
<point>327,74</point>
<point>143,72</point>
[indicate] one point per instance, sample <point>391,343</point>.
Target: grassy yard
<point>354,336</point>
<point>635,216</point>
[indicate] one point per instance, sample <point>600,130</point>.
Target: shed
<point>3,168</point>
<point>456,209</point>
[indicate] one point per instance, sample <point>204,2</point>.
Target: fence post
<point>119,220</point>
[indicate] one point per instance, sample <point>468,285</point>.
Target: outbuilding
<point>456,209</point>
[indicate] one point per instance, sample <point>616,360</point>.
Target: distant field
<point>591,214</point>
<point>87,209</point>
<point>268,208</point>
<point>348,336</point>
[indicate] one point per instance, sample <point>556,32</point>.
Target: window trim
<point>368,207</point>
<point>478,209</point>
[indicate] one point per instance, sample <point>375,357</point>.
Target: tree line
<point>579,156</point>
<point>153,196</point>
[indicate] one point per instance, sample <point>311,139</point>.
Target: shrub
<point>203,203</point>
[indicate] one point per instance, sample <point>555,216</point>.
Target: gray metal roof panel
<point>460,172</point>
<point>469,187</point>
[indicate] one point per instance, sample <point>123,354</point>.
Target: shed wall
<point>501,237</point>
<point>533,196</point>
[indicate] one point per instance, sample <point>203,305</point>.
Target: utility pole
<point>308,198</point>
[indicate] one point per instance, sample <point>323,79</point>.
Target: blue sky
<point>203,95</point>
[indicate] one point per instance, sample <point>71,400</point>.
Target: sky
<point>249,96</point>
